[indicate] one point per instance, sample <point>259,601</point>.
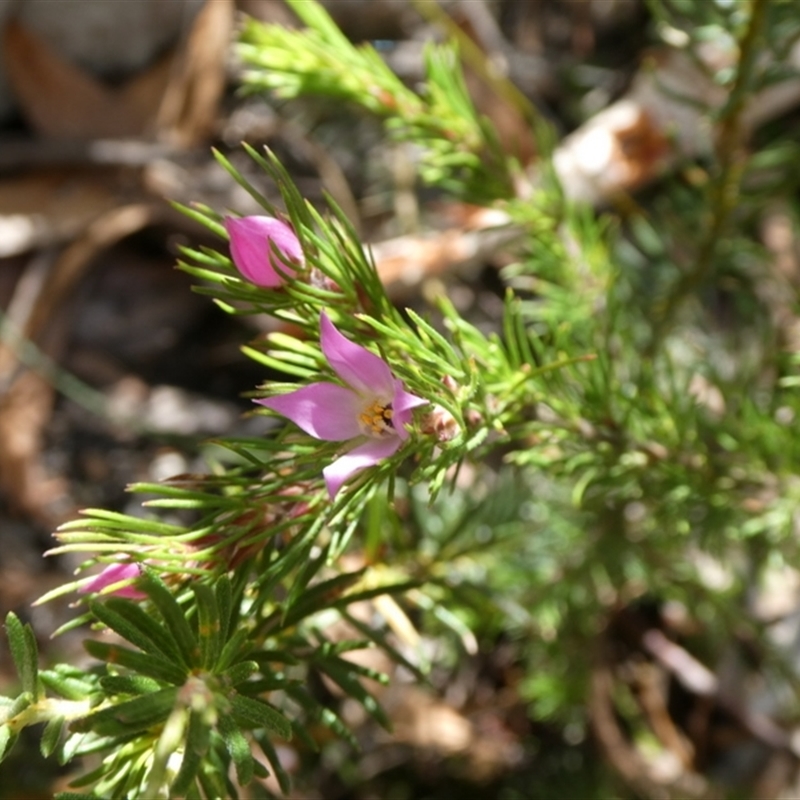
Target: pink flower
<point>373,407</point>
<point>112,575</point>
<point>252,241</point>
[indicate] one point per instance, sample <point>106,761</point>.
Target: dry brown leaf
<point>62,101</point>
<point>55,96</point>
<point>26,407</point>
<point>103,232</point>
<point>24,412</point>
<point>176,97</point>
<point>52,206</point>
<point>188,108</point>
<point>405,262</point>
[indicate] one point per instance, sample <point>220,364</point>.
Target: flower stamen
<point>376,418</point>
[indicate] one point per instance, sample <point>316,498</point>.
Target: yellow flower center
<point>376,419</point>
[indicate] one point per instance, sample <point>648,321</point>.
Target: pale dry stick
<point>637,771</point>
<point>407,261</point>
<point>26,403</point>
<point>700,681</point>
<point>186,113</point>
<point>28,288</point>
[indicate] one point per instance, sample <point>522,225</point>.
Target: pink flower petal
<point>353,461</point>
<point>112,574</point>
<point>364,371</point>
<point>251,250</point>
<point>324,410</point>
<point>402,403</point>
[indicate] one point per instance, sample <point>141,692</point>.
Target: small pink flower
<point>373,407</point>
<point>115,574</point>
<point>252,242</point>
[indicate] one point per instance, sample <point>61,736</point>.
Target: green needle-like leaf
<point>22,642</point>
<point>142,663</point>
<point>51,736</point>
<point>240,672</point>
<point>238,748</point>
<point>208,624</point>
<point>124,719</point>
<point>129,684</point>
<point>173,616</point>
<point>133,623</point>
<point>7,740</point>
<point>197,741</point>
<point>269,751</point>
<point>224,593</point>
<point>342,673</point>
<point>259,714</point>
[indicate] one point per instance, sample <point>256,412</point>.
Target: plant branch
<point>725,186</point>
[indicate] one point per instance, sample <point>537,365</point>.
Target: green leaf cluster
<point>461,152</point>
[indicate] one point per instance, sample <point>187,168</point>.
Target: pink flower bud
<point>441,423</point>
<point>252,243</point>
<point>113,574</point>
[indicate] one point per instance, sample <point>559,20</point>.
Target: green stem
<point>47,709</point>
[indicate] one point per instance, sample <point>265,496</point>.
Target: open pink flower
<point>113,574</point>
<point>252,241</point>
<point>373,407</point>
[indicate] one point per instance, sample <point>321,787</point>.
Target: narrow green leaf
<point>426,329</point>
<point>224,593</point>
<point>208,624</point>
<point>66,685</point>
<point>135,625</point>
<point>284,781</point>
<point>51,736</point>
<point>74,796</point>
<point>323,715</point>
<point>173,616</point>
<point>100,519</point>
<point>260,714</point>
<point>129,684</point>
<point>72,746</point>
<point>380,638</point>
<point>190,764</point>
<point>291,557</point>
<point>21,702</point>
<point>270,656</point>
<point>238,748</point>
<point>342,672</point>
<point>263,686</point>
<point>240,672</point>
<point>24,652</point>
<point>76,622</point>
<point>131,716</point>
<point>302,734</point>
<point>237,176</point>
<point>322,595</point>
<point>7,741</point>
<point>232,649</point>
<point>211,778</point>
<point>142,663</point>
